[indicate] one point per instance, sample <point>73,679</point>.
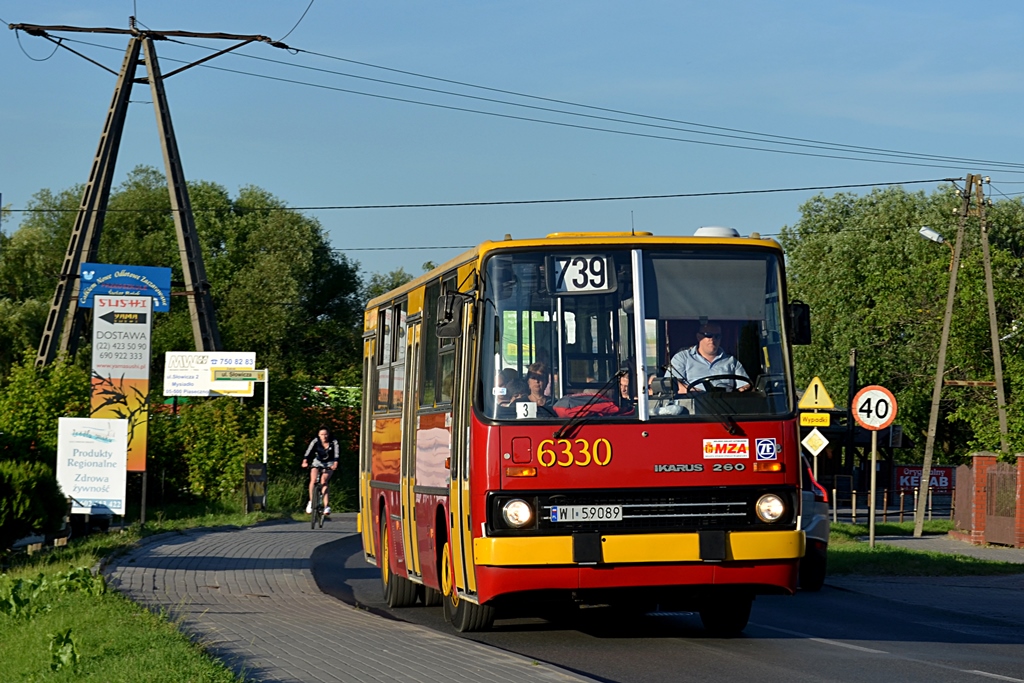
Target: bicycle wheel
<point>320,510</point>
<point>317,503</point>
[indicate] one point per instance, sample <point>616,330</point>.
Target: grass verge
<point>848,554</point>
<point>110,637</point>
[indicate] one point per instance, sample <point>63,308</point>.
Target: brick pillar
<point>983,462</point>
<point>1019,523</point>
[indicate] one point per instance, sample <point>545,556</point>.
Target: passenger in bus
<point>516,390</point>
<point>537,378</point>
<point>544,358</point>
<point>707,359</point>
<point>506,376</point>
<point>625,396</point>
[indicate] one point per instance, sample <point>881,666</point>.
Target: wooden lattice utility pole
<point>64,321</point>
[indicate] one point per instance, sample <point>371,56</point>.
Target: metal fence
<point>854,506</point>
<point>1001,509</point>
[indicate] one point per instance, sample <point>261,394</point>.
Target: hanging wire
<point>281,39</point>
<point>17,35</point>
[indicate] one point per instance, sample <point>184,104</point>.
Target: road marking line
<point>996,676</point>
<point>825,641</point>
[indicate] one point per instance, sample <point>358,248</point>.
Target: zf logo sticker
<point>767,449</point>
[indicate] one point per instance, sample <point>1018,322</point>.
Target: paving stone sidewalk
<point>249,596</point>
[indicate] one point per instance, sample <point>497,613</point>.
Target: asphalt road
<point>833,635</point>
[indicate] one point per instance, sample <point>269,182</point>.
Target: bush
<point>31,402</point>
<point>30,501</point>
<point>288,493</point>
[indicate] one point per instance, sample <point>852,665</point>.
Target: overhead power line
<point>895,157</point>
<point>735,134</point>
<point>514,202</point>
<point>281,39</point>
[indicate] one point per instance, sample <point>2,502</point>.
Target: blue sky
<point>938,78</point>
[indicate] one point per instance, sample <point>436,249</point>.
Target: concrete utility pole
<point>997,356</point>
<point>973,186</point>
<point>65,318</point>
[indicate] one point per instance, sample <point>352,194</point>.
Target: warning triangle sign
<point>816,397</point>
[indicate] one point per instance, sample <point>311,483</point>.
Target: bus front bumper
<point>740,546</point>
<point>762,562</point>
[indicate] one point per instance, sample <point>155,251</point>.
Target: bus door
<point>407,494</point>
<point>459,500</point>
<point>366,525</point>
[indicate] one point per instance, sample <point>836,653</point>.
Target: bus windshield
<point>561,337</point>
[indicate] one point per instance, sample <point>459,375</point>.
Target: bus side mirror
<point>449,315</point>
<point>799,323</point>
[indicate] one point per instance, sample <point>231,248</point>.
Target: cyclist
<point>322,454</point>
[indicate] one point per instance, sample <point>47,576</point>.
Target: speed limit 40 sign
<point>874,408</point>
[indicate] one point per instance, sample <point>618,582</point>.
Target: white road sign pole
<point>874,472</point>
<point>266,410</point>
<point>874,409</point>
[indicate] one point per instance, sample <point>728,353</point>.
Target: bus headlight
<point>517,513</point>
<point>770,508</point>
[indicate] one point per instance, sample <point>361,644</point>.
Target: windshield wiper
<point>568,428</point>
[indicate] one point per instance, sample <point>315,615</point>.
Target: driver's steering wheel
<point>710,387</point>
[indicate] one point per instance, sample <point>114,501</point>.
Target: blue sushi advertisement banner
<point>113,280</point>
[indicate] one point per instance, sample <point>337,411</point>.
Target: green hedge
<point>30,501</point>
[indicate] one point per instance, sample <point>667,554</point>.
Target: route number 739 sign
<point>874,408</point>
<point>580,274</point>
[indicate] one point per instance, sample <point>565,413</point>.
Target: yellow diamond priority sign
<point>815,397</point>
<point>815,442</point>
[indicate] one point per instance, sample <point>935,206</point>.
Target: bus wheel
<point>430,596</point>
<point>461,614</point>
<point>398,590</point>
<point>726,616</point>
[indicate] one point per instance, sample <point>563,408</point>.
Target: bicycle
<point>317,517</point>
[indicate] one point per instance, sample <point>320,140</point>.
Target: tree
<point>384,282</point>
<point>278,288</point>
<point>873,284</point>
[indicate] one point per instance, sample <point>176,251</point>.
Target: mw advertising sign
<point>112,280</point>
<point>120,367</point>
<point>191,373</point>
<point>91,464</point>
<point>908,477</point>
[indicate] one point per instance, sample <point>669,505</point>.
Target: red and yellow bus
<point>508,457</point>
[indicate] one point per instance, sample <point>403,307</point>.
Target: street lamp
<point>933,236</point>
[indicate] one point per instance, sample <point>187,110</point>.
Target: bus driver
<point>707,359</point>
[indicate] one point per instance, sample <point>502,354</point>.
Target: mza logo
<point>726,448</point>
<point>767,449</point>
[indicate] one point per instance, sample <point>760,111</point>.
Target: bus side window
<point>399,340</point>
<point>446,353</point>
<point>383,360</point>
<point>429,364</point>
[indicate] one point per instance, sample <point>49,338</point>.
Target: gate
<point>1002,504</point>
<point>964,502</point>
